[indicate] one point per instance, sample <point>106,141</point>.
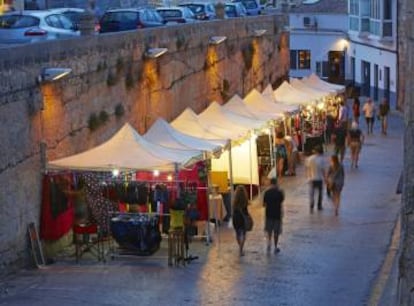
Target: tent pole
<point>251,172</point>
<point>208,203</point>
<point>231,173</point>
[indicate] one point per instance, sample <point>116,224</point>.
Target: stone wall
<point>406,98</point>
<point>109,73</point>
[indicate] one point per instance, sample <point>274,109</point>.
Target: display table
<point>137,233</point>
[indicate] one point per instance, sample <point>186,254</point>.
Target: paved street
<point>324,260</point>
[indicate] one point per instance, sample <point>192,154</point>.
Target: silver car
<point>31,26</point>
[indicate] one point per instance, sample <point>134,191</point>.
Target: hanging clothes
<point>57,208</point>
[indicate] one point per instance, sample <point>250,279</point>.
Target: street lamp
<point>216,40</point>
<point>52,74</point>
<point>155,52</point>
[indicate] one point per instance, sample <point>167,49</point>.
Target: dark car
<point>176,14</point>
<point>201,10</point>
<point>117,20</point>
<point>252,6</point>
<point>234,9</point>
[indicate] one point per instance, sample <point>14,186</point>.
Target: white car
<point>38,25</point>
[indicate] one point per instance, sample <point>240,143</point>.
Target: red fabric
<point>190,175</point>
<point>54,228</point>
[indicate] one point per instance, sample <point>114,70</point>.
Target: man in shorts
<point>272,200</point>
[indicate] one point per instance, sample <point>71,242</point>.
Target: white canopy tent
<point>316,85</point>
<point>162,133</point>
<point>243,156</point>
<point>269,95</point>
<point>126,150</point>
<point>188,123</point>
<point>236,105</point>
<point>316,80</point>
<point>255,100</point>
<point>318,94</point>
<point>288,94</point>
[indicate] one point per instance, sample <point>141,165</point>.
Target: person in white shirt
<point>316,174</point>
<point>369,112</point>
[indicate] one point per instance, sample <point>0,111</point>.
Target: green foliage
<point>248,53</point>
<point>111,79</point>
<point>129,80</point>
<point>119,110</point>
<point>119,64</point>
<point>103,117</point>
<point>93,122</point>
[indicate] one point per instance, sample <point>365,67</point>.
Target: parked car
<point>234,9</point>
<point>201,10</point>
<point>74,14</point>
<point>176,14</point>
<point>18,27</point>
<point>116,20</point>
<point>252,6</point>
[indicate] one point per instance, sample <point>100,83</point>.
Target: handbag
<point>248,222</point>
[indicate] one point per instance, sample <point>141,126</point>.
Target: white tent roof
<point>238,106</point>
<point>288,94</point>
<point>163,134</point>
<point>126,150</point>
<point>256,100</point>
<point>220,123</point>
<point>316,85</point>
<point>188,123</point>
<point>316,80</point>
<point>269,95</point>
<point>304,88</point>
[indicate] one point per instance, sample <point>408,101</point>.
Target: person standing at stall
<point>240,202</point>
<point>340,142</point>
<point>281,153</point>
<point>272,200</point>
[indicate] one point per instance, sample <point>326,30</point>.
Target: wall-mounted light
<point>155,52</point>
<point>52,74</point>
<point>216,40</point>
<point>259,32</point>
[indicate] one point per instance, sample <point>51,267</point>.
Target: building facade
<point>373,51</point>
<point>318,39</point>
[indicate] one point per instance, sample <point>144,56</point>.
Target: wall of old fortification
<point>406,98</point>
<point>109,73</point>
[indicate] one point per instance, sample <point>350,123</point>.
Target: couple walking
<point>272,200</point>
<point>317,173</point>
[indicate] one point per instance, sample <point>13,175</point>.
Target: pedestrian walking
<point>356,109</point>
<point>240,203</point>
<point>335,181</point>
<point>369,113</point>
<point>355,139</point>
<point>315,171</point>
<point>272,200</point>
<point>343,114</point>
<point>384,109</point>
<point>340,142</point>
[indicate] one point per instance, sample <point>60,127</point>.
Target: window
<point>304,59</point>
<point>387,10</point>
<point>300,59</point>
<point>354,7</point>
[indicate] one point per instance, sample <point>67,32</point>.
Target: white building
<point>347,41</point>
<point>373,51</point>
<point>318,39</point>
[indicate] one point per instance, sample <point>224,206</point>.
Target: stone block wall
<point>42,122</point>
<point>406,102</point>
